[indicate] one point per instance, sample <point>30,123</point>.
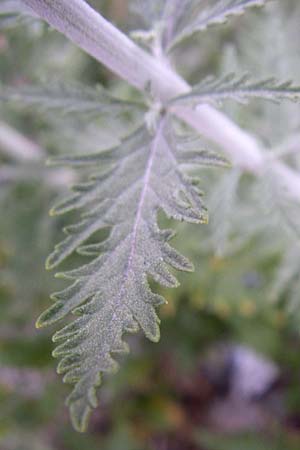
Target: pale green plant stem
<point>99,38</point>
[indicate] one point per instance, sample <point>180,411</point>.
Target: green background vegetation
<point>165,395</point>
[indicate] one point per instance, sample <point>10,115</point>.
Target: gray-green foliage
<point>181,19</point>
<point>240,89</point>
<point>270,212</point>
<point>129,184</point>
<point>198,16</point>
<point>111,294</point>
<point>67,98</point>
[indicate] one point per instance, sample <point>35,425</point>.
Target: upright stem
<point>98,37</point>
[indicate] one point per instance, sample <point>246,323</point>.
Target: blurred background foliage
<point>226,373</point>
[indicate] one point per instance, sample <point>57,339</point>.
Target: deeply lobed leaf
<point>241,89</point>
<point>67,98</point>
<point>111,294</point>
<point>194,18</point>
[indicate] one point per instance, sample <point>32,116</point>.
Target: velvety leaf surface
<point>111,294</point>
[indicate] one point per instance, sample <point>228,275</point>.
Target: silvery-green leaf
<point>111,295</point>
<point>238,88</point>
<point>66,98</point>
<point>199,19</point>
